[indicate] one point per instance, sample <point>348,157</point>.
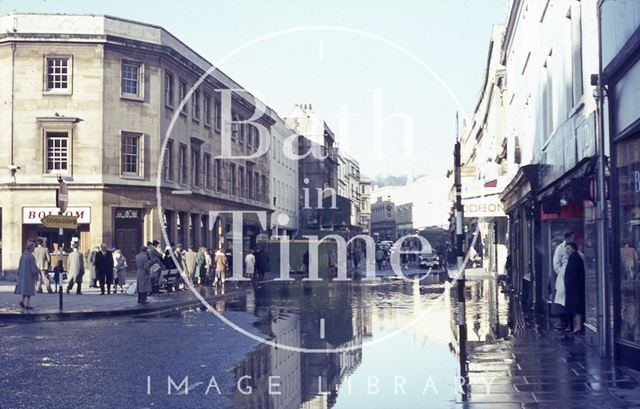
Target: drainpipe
<point>13,75</point>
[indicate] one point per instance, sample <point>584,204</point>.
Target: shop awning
<point>520,187</point>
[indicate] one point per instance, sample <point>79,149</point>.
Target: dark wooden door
<point>128,241</point>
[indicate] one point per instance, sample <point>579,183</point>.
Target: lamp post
<point>460,239</point>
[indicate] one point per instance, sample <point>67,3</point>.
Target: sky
<point>386,76</point>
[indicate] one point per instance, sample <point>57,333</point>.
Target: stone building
<point>284,180</point>
<point>92,99</point>
<point>317,170</point>
<point>365,205</point>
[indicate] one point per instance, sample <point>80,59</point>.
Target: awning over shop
<point>521,186</point>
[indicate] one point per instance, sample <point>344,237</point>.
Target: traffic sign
<point>60,221</point>
<point>62,196</point>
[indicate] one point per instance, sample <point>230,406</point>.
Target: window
<point>195,102</point>
<point>234,186</point>
<point>256,192</point>
<point>182,158</point>
<point>235,128</point>
<point>182,92</point>
<point>576,51</point>
<point>627,162</point>
<point>250,130</point>
<point>217,115</point>
<point>265,188</point>
<point>242,128</point>
<point>168,89</point>
<point>207,171</point>
<point>241,191</point>
<point>195,166</point>
<point>131,79</point>
<point>218,175</point>
<point>57,152</point>
<point>130,154</point>
<point>168,161</point>
<point>206,104</point>
<point>250,183</point>
<point>58,74</point>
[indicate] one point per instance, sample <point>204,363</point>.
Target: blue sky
<point>332,68</point>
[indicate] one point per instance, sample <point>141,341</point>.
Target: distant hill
<point>389,180</point>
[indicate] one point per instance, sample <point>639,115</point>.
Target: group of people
<point>568,293</point>
<point>205,267</point>
<point>107,268</point>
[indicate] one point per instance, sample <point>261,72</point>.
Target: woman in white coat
<point>119,270</point>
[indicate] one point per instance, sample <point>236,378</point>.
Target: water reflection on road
<point>416,364</point>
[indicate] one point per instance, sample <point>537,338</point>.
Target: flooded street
<point>385,344</point>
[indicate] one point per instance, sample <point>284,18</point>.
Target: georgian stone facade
<point>92,99</point>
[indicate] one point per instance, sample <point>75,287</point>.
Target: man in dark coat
<point>143,275</point>
<point>574,286</point>
<point>104,268</point>
<point>262,263</point>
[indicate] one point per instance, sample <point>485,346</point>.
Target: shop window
<point>628,171</point>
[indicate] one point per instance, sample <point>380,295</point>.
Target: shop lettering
<point>483,208</point>
<point>33,215</point>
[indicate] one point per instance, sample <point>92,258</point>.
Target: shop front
<point>620,78</point>
<point>32,228</point>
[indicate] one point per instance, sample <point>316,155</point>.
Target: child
<point>58,272</point>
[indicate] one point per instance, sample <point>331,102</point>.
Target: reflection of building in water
<point>486,311</point>
<point>307,380</point>
<point>324,372</point>
<point>284,363</point>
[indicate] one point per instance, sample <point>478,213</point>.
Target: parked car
<point>429,261</point>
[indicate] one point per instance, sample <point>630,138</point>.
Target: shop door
<point>128,241</point>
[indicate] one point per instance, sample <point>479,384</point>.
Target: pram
<point>163,279</point>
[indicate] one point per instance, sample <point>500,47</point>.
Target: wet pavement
<point>397,341</point>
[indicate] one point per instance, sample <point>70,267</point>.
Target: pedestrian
<point>574,286</point>
<point>220,261</point>
<point>379,258</point>
<point>58,275</point>
<point>143,275</point>
<point>249,265</point>
<point>119,271</point>
<point>104,268</point>
<point>155,257</point>
<point>190,263</point>
<point>28,273</point>
<point>91,258</point>
<point>201,262</point>
<point>560,259</point>
<point>75,269</point>
<point>43,261</point>
<point>629,259</point>
<point>208,267</point>
<point>262,263</point>
<point>305,262</point>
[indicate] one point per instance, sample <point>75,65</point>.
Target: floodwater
<point>369,345</point>
<point>385,344</point>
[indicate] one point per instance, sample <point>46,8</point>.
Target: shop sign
<point>60,222</point>
<point>483,207</point>
<point>34,214</point>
